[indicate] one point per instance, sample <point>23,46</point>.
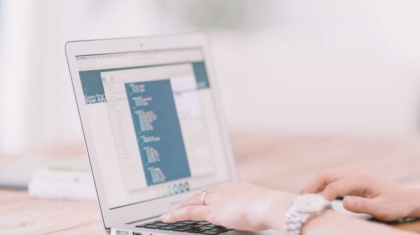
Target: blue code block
<point>158,131</point>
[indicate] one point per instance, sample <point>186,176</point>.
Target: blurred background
<point>305,85</point>
<point>288,67</point>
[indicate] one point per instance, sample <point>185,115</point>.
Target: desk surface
<point>284,163</point>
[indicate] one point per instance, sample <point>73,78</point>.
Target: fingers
<point>352,185</point>
<point>218,187</point>
<point>209,197</point>
<point>195,200</point>
<point>187,213</point>
<point>359,204</point>
<point>322,179</point>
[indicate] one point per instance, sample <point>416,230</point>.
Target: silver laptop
<point>153,128</point>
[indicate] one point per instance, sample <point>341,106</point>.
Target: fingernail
<point>351,202</point>
<point>164,217</point>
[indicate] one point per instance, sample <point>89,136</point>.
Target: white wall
<point>348,67</point>
<point>304,67</point>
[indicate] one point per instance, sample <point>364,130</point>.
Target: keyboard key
<point>193,231</point>
<point>203,223</point>
<point>188,222</point>
<point>160,224</point>
<point>210,233</point>
<point>168,227</point>
<point>144,225</point>
<point>219,230</point>
<point>182,229</point>
<point>201,229</point>
<point>178,224</point>
<point>152,226</point>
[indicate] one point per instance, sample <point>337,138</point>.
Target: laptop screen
<point>153,123</point>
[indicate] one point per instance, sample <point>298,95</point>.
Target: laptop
<point>153,128</point>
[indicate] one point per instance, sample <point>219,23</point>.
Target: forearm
<point>414,200</point>
<point>334,223</point>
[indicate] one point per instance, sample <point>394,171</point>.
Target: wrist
<point>414,202</point>
<point>277,212</point>
<point>298,211</point>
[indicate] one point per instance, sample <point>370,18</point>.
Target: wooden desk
<point>283,163</point>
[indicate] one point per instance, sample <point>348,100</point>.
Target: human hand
<point>240,206</point>
<point>367,193</point>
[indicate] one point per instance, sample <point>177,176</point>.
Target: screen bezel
<point>140,211</point>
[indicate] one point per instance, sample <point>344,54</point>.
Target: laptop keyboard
<point>189,226</point>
